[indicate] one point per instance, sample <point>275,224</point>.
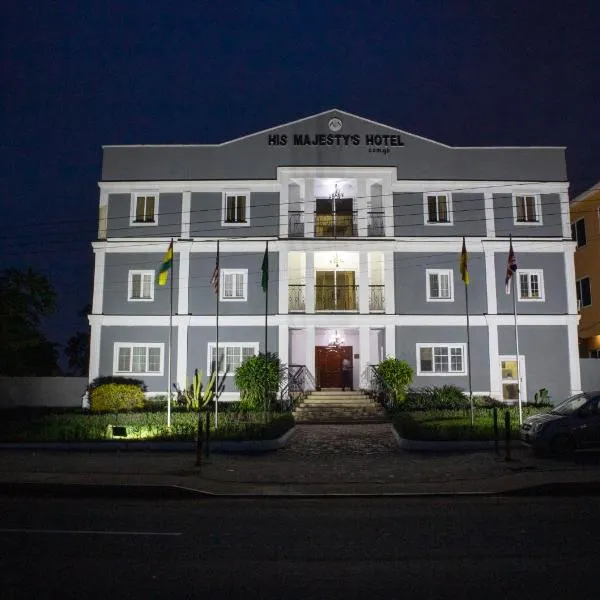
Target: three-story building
<point>364,224</point>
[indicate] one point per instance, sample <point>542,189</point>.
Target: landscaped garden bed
<point>52,425</point>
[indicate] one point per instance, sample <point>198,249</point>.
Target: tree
<point>25,298</point>
<point>77,349</point>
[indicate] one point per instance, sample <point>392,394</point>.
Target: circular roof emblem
<point>335,124</point>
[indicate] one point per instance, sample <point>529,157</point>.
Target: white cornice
<point>127,187</point>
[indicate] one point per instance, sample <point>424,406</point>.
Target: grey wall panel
<point>200,337</point>
<point>202,298</point>
<point>553,265</point>
<point>117,269</point>
<point>407,339</point>
<point>468,212</point>
<point>410,283</point>
<point>504,218</point>
<point>254,158</point>
<point>169,217</point>
<point>206,209</point>
<point>148,335</point>
<point>546,354</point>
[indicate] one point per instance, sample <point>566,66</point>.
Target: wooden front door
<point>329,365</point>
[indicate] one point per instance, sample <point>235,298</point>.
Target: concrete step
<point>340,401</point>
<point>336,392</point>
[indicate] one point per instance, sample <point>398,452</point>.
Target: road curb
<point>443,446</point>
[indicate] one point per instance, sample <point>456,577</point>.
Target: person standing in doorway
<point>346,374</point>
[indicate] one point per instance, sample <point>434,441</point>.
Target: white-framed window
<point>440,285</point>
<point>510,378</point>
<point>236,208</point>
<point>531,285</point>
<point>527,209</point>
<point>234,285</point>
<point>131,358</point>
<point>144,208</point>
<point>437,209</point>
<point>441,359</point>
<point>584,292</point>
<point>231,355</point>
<point>578,232</point>
<point>140,286</point>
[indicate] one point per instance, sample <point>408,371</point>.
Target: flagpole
<point>170,346</point>
<point>514,287</point>
<point>217,342</point>
<point>266,330</point>
<point>469,355</point>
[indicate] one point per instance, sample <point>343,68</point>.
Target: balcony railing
<point>296,223</point>
<point>376,298</point>
<point>336,298</point>
<point>336,224</point>
<point>296,302</point>
<point>375,224</point>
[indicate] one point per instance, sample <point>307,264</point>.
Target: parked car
<point>572,425</point>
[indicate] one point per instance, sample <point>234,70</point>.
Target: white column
<point>103,216</point>
<point>363,282</point>
<point>309,282</point>
<point>389,283</point>
<point>310,349</point>
<point>95,332</point>
<point>186,214</point>
<point>99,268</point>
<point>569,256</point>
<point>574,364</point>
<point>360,207</point>
<point>183,282</point>
<point>284,203</point>
<point>364,349</point>
<point>283,282</point>
<point>387,201</point>
<point>309,207</point>
<point>283,350</point>
<point>490,224</point>
<point>390,340</point>
<point>490,282</point>
<point>182,353</point>
<point>494,355</point>
<point>564,212</point>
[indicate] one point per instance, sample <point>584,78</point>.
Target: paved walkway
<point>322,459</point>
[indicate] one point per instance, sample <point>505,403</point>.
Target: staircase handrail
<point>300,382</point>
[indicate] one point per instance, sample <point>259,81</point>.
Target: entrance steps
<point>337,406</point>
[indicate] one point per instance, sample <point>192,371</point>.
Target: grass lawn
<point>455,425</point>
<point>79,426</point>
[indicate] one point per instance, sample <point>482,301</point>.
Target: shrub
<point>104,379</point>
<point>258,378</point>
<point>445,397</point>
<point>115,397</point>
<point>397,374</point>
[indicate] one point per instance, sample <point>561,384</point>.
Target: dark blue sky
<point>106,72</point>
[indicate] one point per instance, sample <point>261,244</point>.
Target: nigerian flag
<point>265,270</point>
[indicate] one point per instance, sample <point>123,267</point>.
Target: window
<point>531,285</point>
<point>440,286</point>
<point>584,292</point>
<point>141,286</point>
<point>234,284</point>
<point>231,356</point>
<point>527,209</point>
<point>138,358</point>
<point>510,376</point>
<point>438,209</point>
<point>441,358</point>
<point>578,232</point>
<point>144,208</point>
<point>236,208</point>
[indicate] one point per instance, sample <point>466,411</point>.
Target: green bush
<point>104,379</point>
<point>445,397</point>
<point>397,374</point>
<point>115,397</point>
<point>258,379</point>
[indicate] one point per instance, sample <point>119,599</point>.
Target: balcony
<point>296,223</point>
<point>296,302</point>
<point>336,224</point>
<point>375,224</point>
<point>376,299</point>
<point>331,298</point>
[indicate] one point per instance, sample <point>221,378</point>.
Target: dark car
<point>572,425</point>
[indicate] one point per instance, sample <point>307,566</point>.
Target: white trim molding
<point>449,347</point>
<point>237,194</point>
<point>118,346</point>
<point>147,277</point>
<point>449,273</point>
<point>449,213</point>
<point>532,275</point>
<point>133,208</point>
<point>537,208</point>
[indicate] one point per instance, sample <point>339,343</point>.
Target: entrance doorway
<point>328,362</point>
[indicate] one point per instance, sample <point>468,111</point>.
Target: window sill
<point>236,223</point>
<point>140,299</point>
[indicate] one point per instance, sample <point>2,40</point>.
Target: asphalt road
<point>291,548</point>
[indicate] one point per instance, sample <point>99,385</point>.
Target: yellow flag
<point>165,267</point>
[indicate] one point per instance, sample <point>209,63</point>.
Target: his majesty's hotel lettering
<point>364,224</point>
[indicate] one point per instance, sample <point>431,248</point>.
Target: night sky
<point>76,75</point>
